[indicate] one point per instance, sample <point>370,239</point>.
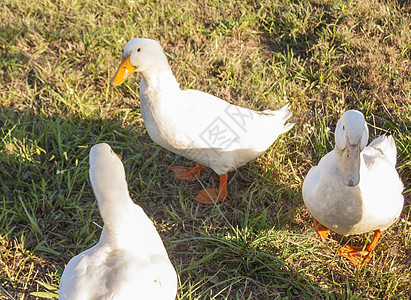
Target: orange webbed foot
<point>188,173</point>
<point>358,255</point>
<point>213,195</point>
<point>321,230</point>
<point>210,196</point>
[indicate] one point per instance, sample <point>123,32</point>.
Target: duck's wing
<point>69,278</point>
<point>82,277</point>
<point>386,146</point>
<point>219,124</point>
<point>313,181</point>
<point>381,187</point>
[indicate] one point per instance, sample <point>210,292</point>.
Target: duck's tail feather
<point>287,114</point>
<point>287,127</point>
<point>277,119</point>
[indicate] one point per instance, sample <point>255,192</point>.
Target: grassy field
<point>322,57</point>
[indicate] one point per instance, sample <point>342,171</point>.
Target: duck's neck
<point>160,79</point>
<point>126,226</point>
<point>115,210</point>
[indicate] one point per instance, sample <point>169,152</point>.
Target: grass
<point>323,57</point>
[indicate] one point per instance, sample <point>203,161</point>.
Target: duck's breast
<point>333,204</point>
<point>373,204</point>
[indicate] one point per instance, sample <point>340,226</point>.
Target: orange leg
<point>321,230</point>
<point>213,195</point>
<point>356,254</point>
<point>188,173</point>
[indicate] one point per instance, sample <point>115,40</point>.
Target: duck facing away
<point>129,261</point>
<point>194,124</point>
<point>355,189</point>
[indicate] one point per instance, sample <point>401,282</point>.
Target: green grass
<point>323,57</point>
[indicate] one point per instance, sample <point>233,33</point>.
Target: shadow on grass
<point>284,29</point>
<point>46,199</point>
<point>48,202</point>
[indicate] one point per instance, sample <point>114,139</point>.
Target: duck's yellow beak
<point>123,72</point>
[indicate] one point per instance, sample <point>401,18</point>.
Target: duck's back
<point>105,273</point>
<point>129,264</point>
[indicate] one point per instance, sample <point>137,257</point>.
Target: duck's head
<point>107,173</point>
<point>351,137</point>
<point>139,55</point>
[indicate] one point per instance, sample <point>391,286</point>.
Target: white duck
<point>194,124</point>
<point>355,189</point>
<point>129,261</point>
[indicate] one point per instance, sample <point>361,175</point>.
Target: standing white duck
<point>355,189</point>
<point>129,261</point>
<point>194,124</point>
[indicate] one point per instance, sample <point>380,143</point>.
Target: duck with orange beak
<point>194,124</point>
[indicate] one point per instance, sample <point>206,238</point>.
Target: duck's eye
<point>139,49</point>
<point>343,127</point>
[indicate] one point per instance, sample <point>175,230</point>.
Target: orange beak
<point>123,72</point>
